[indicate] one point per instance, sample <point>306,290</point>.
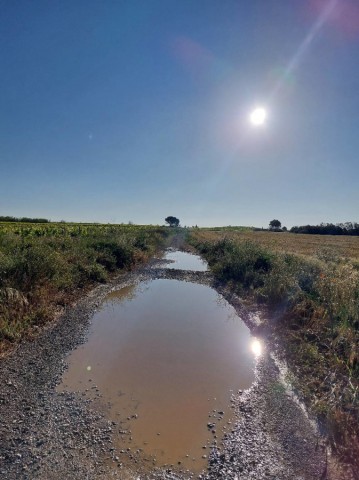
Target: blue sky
<point>123,110</point>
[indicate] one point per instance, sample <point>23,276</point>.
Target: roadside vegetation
<point>44,267</point>
<point>309,289</point>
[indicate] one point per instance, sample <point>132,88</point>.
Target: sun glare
<point>256,347</point>
<point>258,116</point>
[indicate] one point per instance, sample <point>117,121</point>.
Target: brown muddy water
<point>160,358</point>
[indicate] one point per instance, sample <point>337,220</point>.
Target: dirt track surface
<point>50,435</point>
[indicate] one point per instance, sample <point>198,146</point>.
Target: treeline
<point>348,228</point>
<point>23,220</point>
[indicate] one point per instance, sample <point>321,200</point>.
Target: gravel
<point>46,434</point>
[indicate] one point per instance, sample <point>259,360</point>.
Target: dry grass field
<point>342,246</point>
<point>313,281</point>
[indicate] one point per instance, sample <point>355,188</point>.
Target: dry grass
<point>342,246</point>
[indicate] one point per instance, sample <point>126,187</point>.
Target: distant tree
<point>285,229</point>
<point>274,225</point>
<point>172,221</point>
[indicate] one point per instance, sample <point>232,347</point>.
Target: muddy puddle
<point>162,359</point>
<point>184,261</point>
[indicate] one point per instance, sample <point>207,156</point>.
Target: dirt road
<point>50,435</point>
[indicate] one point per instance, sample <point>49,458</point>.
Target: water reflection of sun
<point>256,347</point>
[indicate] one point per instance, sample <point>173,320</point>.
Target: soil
<point>47,434</point>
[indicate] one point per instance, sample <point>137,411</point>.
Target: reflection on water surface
<point>165,354</point>
<point>256,347</point>
<point>185,261</point>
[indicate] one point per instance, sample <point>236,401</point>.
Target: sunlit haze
<point>219,112</point>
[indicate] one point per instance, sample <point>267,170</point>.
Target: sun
<point>258,116</point>
<point>256,347</point>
